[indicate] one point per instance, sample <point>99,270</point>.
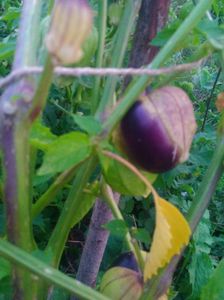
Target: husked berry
<point>157,131</point>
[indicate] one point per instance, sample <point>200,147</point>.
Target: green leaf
<point>41,136</point>
<point>5,268</point>
<point>11,14</point>
<point>142,235</point>
<point>117,227</point>
<point>59,294</point>
<point>67,151</point>
<point>214,289</point>
<point>214,33</point>
<point>122,180</point>
<point>88,124</point>
<point>87,202</point>
<point>199,270</point>
<point>7,49</point>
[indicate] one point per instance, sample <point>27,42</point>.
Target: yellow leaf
<point>172,232</point>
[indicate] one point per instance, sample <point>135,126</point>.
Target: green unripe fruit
<point>122,284</point>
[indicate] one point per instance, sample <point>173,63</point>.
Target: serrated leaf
<point>214,289</point>
<point>172,232</point>
<point>87,202</point>
<point>41,136</point>
<point>67,151</point>
<point>117,227</point>
<point>88,124</point>
<point>122,180</point>
<point>199,270</point>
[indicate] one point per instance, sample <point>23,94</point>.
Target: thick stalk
<point>152,17</point>
<point>28,38</point>
<point>15,148</point>
<point>59,236</point>
<point>96,239</point>
<point>137,86</point>
<point>37,267</point>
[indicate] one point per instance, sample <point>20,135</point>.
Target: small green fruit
<point>122,284</point>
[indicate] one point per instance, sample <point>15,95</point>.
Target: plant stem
<point>59,236</point>
<point>123,34</point>
<point>29,30</point>
<point>108,196</point>
<point>96,239</point>
<point>207,186</point>
<point>42,90</point>
<point>51,275</point>
<point>14,134</point>
<point>55,187</point>
<point>210,98</point>
<point>102,12</point>
<point>137,86</point>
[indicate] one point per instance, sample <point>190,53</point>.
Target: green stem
<point>122,38</point>
<point>108,197</point>
<point>42,90</point>
<point>28,38</point>
<point>50,6</point>
<point>137,86</point>
<point>102,26</point>
<point>208,186</point>
<point>49,274</point>
<point>23,213</point>
<point>61,231</point>
<point>49,195</point>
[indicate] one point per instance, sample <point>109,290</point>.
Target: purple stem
<point>95,243</point>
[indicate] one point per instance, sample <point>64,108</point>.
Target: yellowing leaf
<point>172,232</point>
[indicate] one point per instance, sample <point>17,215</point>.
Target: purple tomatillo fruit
<point>157,131</point>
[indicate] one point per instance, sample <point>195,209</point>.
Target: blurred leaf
<point>41,136</point>
<point>5,268</point>
<point>114,13</point>
<point>117,227</point>
<point>67,151</point>
<point>11,14</point>
<point>88,124</point>
<point>88,199</point>
<point>214,289</point>
<point>214,33</point>
<point>7,49</point>
<point>6,291</point>
<point>122,180</point>
<point>59,294</point>
<point>172,232</point>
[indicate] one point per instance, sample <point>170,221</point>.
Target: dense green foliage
<point>58,148</point>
